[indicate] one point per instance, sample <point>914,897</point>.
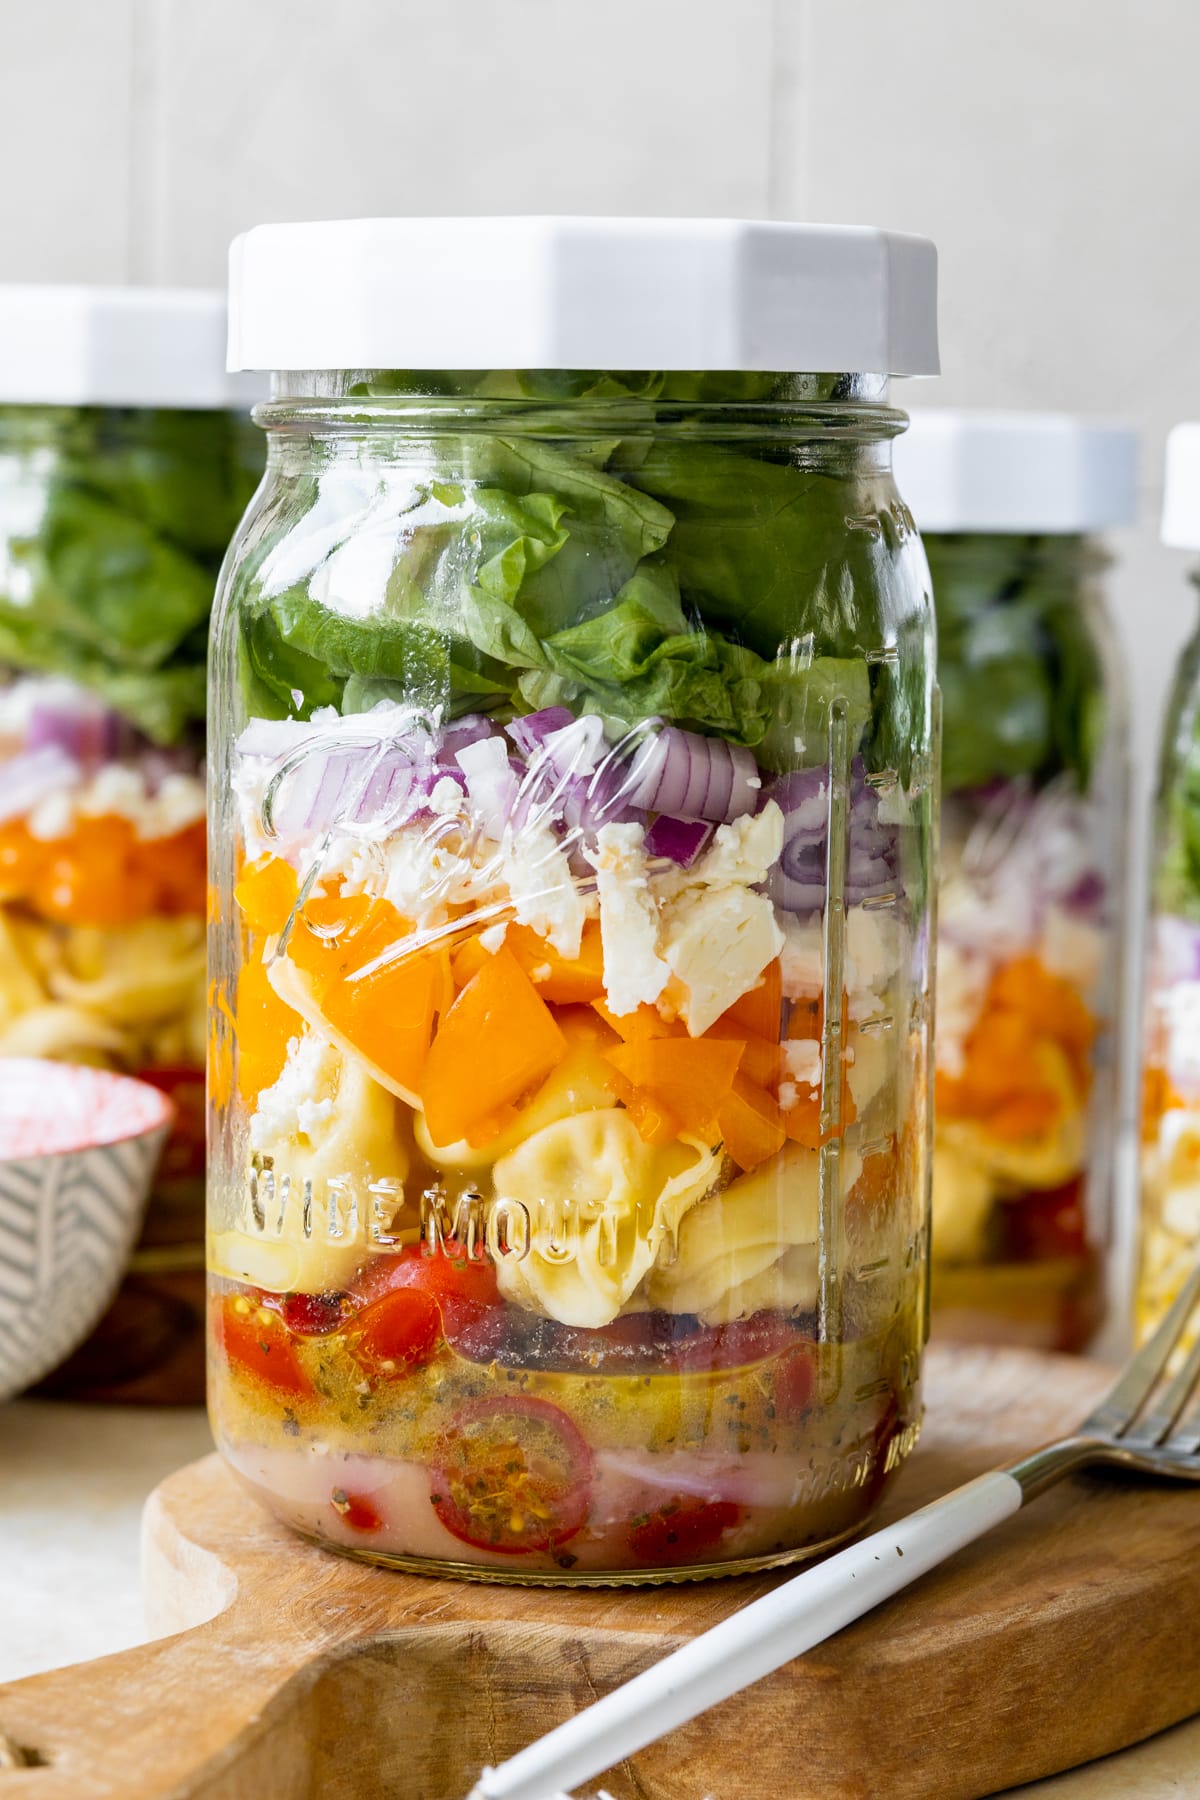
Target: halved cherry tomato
<point>257,1342</point>
<point>792,1383</point>
<point>1046,1225</point>
<point>683,1530</point>
<point>446,1274</point>
<point>398,1332</point>
<point>183,1156</point>
<point>512,1475</point>
<point>354,1511</point>
<point>316,1315</point>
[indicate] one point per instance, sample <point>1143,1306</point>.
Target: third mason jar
<point>1170,1148</point>
<point>574,735</point>
<point>1034,796</point>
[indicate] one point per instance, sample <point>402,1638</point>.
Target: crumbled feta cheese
<point>634,972</point>
<point>447,796</point>
<point>962,980</point>
<point>492,939</point>
<point>302,1098</point>
<point>53,817</point>
<point>744,851</point>
<point>1074,949</point>
<point>802,1060</point>
<point>545,894</point>
<point>789,1094</point>
<point>872,947</point>
<point>802,959</point>
<point>717,943</point>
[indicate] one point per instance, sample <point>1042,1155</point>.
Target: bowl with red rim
<point>78,1151</point>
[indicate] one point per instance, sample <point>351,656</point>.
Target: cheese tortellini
<point>601,1203</point>
<point>334,1134</point>
<point>751,1246</point>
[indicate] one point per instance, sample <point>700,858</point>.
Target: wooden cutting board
<point>1069,1633</point>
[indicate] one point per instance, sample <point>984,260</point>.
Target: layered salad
<point>1027,972</point>
<point>1170,1157</point>
<point>111,532</point>
<point>570,1007</point>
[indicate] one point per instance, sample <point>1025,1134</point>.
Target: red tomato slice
<point>257,1342</point>
<point>397,1332</point>
<point>512,1475</point>
<point>683,1530</point>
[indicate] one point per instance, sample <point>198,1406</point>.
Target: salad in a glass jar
<point>1034,785</point>
<point>570,970</point>
<point>113,522</point>
<point>1170,1134</point>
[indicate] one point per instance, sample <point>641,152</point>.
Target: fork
<point>1140,1426</point>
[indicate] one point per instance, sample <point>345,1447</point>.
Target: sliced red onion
<point>350,785</point>
<point>797,882</point>
<point>33,777</point>
<point>493,783</point>
<point>472,728</point>
<point>577,748</point>
<point>679,840</point>
<point>80,726</point>
<point>531,732</point>
<point>693,777</point>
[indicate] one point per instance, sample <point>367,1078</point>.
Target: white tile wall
<point>1052,147</point>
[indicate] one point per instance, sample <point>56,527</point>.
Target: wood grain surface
<point>296,1675</point>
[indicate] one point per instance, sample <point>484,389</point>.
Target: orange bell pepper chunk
<point>266,892</point>
<point>562,979</point>
<point>802,1122</point>
<point>1050,1002</point>
<point>497,1041</point>
<point>750,1123</point>
<point>760,1009</point>
<point>654,1123</point>
<point>1025,1118</point>
<point>336,935</point>
<point>388,1014</point>
<point>639,1026</point>
<point>688,1077</point>
<point>264,1027</point>
<point>467,960</point>
<point>762,1061</point>
<point>876,1184</point>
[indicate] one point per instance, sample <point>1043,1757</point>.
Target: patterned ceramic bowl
<point>78,1148</point>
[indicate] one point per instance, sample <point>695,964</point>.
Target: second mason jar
<point>571,834</point>
<point>126,459</point>
<point>1034,791</point>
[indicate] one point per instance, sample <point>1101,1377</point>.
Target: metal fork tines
<point>1140,1414</point>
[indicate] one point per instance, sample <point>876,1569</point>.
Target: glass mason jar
<point>113,521</point>
<point>571,830</point>
<point>1170,1138</point>
<point>1034,797</point>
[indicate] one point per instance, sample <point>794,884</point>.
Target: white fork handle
<point>752,1642</point>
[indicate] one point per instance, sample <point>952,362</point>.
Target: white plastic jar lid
<point>1016,472</point>
<point>1181,489</point>
<point>576,293</point>
<point>116,346</point>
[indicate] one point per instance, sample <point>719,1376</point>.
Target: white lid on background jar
<point>577,293</point>
<point>1016,472</point>
<point>1181,488</point>
<point>116,346</point>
